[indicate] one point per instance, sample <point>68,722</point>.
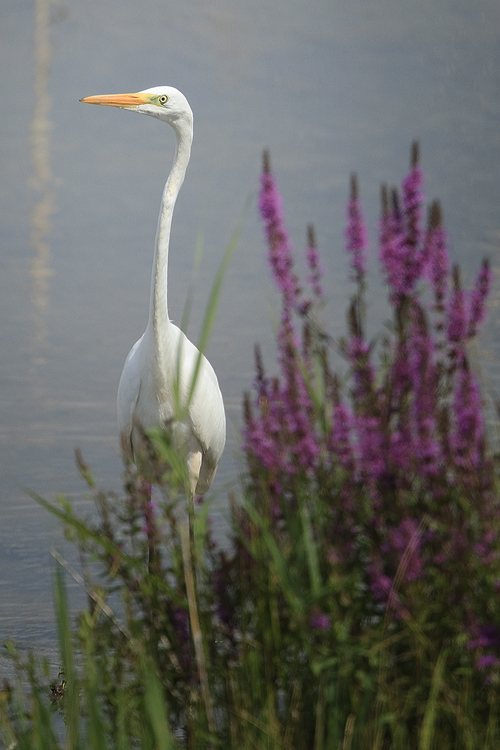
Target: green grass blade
<point>66,515</point>
<point>431,709</point>
<point>213,300</point>
<point>198,254</point>
<point>279,561</point>
<point>96,733</point>
<point>310,547</point>
<point>42,732</point>
<point>71,697</point>
<point>155,707</point>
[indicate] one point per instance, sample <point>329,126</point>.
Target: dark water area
<point>329,86</point>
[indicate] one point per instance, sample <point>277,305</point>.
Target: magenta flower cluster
<point>356,235</point>
<point>398,452</point>
<point>280,251</point>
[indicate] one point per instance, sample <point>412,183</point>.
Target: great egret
<point>155,385</point>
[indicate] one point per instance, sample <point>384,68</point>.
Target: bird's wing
<point>208,425</point>
<point>208,418</point>
<point>206,408</point>
<point>129,390</point>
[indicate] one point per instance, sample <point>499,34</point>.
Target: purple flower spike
<point>487,661</point>
<point>468,438</point>
<point>438,257</point>
<point>457,313</point>
<point>315,269</point>
<point>487,636</point>
<point>358,353</point>
<point>393,248</point>
<point>340,438</point>
<point>280,256</point>
<point>357,239</point>
<point>400,233</point>
<point>413,199</point>
<point>372,458</point>
<point>425,383</point>
<point>320,621</point>
<point>380,584</point>
<point>478,298</point>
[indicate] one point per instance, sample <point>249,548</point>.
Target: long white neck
<point>159,321</point>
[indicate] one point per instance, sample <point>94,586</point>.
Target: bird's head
<point>163,102</point>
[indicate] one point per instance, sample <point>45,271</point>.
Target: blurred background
<point>329,86</point>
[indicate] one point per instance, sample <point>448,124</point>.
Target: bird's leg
<point>189,578</point>
<point>193,466</point>
<point>154,569</point>
<point>195,623</point>
<point>147,503</point>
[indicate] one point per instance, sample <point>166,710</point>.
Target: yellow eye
<point>163,99</point>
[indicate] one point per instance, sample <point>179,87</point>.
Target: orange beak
<point>116,100</point>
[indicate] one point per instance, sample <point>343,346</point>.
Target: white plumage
<point>162,363</point>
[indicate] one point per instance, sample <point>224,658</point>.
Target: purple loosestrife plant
<point>477,302</point>
<point>357,602</point>
<point>280,430</point>
<point>413,200</point>
<point>458,323</point>
<point>395,253</point>
<point>280,253</point>
<point>402,254</point>
<point>316,271</point>
<point>424,382</point>
<point>339,439</point>
<point>389,460</point>
<point>468,438</point>
<point>356,235</point>
<point>438,268</point>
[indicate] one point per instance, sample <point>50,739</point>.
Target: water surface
<point>330,86</point>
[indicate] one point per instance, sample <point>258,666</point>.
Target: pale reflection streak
<point>40,270</point>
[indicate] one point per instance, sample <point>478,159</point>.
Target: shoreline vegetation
<point>356,605</point>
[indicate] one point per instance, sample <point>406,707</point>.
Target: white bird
<point>156,383</point>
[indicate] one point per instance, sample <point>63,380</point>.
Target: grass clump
<point>356,602</point>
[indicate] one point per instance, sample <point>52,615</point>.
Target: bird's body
<point>154,390</point>
<point>156,386</point>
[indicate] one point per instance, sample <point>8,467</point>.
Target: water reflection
<point>41,181</point>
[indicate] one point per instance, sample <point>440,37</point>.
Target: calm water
<point>330,86</point>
